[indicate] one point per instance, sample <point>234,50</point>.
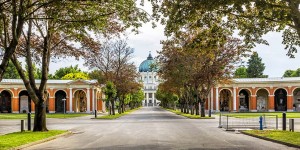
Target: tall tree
<point>113,61</point>
<point>110,92</point>
<point>202,58</point>
<point>51,32</point>
<point>252,19</point>
<point>240,72</point>
<point>255,67</point>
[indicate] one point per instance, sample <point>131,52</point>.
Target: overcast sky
<point>273,56</point>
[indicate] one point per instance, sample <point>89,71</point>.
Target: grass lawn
<point>283,136</point>
<point>256,114</point>
<point>117,115</point>
<point>178,112</point>
<point>24,116</point>
<point>16,139</point>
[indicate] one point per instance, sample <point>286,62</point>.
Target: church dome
<point>147,65</point>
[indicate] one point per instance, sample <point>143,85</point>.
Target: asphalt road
<point>153,128</point>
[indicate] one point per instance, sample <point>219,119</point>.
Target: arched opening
<point>262,99</point>
<point>59,103</point>
<point>5,102</point>
<point>280,100</point>
<point>225,99</point>
<point>80,101</point>
<point>296,103</point>
<point>24,102</point>
<point>244,96</point>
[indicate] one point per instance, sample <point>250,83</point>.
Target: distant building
<point>149,78</point>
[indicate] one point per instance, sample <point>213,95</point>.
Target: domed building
<point>148,75</point>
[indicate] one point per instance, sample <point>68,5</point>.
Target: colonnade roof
<point>20,81</point>
<point>262,80</point>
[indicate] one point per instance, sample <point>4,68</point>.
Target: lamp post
<point>64,99</point>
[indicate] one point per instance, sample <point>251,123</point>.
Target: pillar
<point>32,107</point>
<point>212,99</point>
<point>88,97</point>
<point>217,99</point>
<point>234,99</point>
<point>15,105</point>
<point>253,103</point>
<point>93,100</point>
<point>147,99</point>
<point>271,103</point>
<point>290,102</point>
<point>70,100</point>
<point>15,101</point>
<point>51,104</point>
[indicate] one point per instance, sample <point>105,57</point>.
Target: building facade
<point>256,95</point>
<point>150,80</point>
<point>73,96</point>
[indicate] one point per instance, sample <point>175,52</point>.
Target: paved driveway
<point>154,128</point>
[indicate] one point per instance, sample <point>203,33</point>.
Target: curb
<point>272,140</point>
<point>41,141</point>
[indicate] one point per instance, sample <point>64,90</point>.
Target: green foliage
<point>61,72</point>
<point>292,73</point>
<point>255,67</point>
<point>12,140</point>
<point>97,74</point>
<point>240,72</point>
<point>11,72</point>
<point>76,76</point>
<point>110,91</point>
<point>252,19</point>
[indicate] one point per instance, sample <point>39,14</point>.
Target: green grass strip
<point>117,115</point>
<point>24,116</point>
<point>16,139</point>
<point>178,112</point>
<point>283,136</point>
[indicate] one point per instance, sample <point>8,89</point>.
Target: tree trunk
<point>197,108</point>
<point>202,108</point>
<point>40,116</point>
<point>181,107</point>
<point>113,107</point>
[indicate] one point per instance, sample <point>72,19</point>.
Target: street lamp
<point>64,99</point>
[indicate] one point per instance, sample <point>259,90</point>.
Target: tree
<point>252,19</point>
<point>110,93</point>
<point>51,32</point>
<point>292,73</point>
<point>240,72</point>
<point>288,73</point>
<point>61,72</point>
<point>11,72</point>
<point>199,59</point>
<point>75,76</point>
<point>255,67</point>
<point>113,61</point>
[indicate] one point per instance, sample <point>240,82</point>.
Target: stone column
<point>71,100</point>
<point>289,102</point>
<point>271,103</point>
<point>88,99</point>
<point>217,99</point>
<point>234,99</point>
<point>253,103</point>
